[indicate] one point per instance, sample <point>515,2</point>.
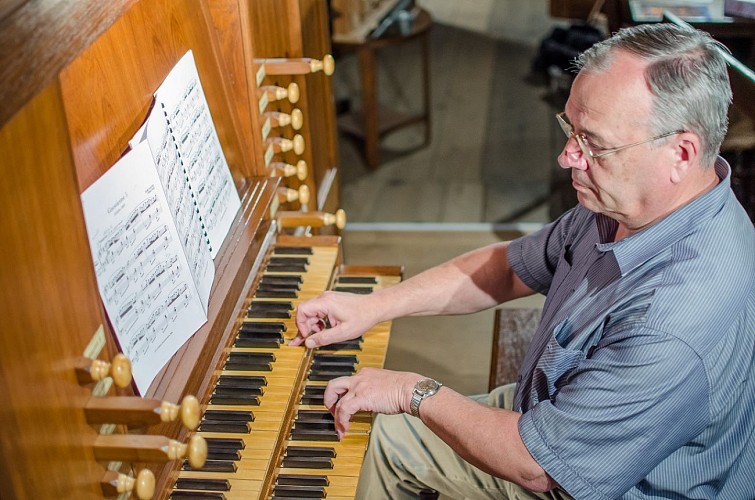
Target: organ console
<point>76,82</point>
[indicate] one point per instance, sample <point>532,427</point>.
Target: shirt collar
<point>633,250</point>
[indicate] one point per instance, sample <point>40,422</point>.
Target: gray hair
<point>686,74</point>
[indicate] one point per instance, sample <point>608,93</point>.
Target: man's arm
<point>474,281</point>
<point>484,436</point>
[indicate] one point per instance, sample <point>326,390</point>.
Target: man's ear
<point>686,154</point>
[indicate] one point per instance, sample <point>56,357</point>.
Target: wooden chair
<point>512,332</point>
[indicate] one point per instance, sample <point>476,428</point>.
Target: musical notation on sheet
<point>182,99</point>
<point>145,279</point>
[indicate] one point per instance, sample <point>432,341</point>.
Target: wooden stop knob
<point>189,412</point>
<point>298,141</point>
<point>293,93</point>
<point>197,451</point>
<point>303,194</point>
<point>328,64</point>
<point>297,119</point>
<point>121,371</point>
<point>145,485</point>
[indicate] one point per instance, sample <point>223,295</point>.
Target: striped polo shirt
<point>640,380</point>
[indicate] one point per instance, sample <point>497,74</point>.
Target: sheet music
<point>182,99</point>
<point>183,206</point>
<point>142,272</point>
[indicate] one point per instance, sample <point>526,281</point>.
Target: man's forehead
<point>619,89</point>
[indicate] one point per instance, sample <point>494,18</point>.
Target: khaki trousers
<point>405,457</point>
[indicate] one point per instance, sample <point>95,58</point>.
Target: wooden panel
<point>108,89</point>
<point>322,124</point>
<point>38,39</point>
<point>274,31</point>
<point>301,31</point>
<point>50,309</point>
<point>231,26</point>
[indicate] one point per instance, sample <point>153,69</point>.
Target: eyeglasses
<point>584,144</point>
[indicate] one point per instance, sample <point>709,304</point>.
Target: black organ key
<point>289,260</point>
<point>346,345</point>
<point>313,395</point>
<point>213,466</point>
<point>227,421</point>
<point>330,366</point>
<point>361,290</point>
<point>302,480</point>
<point>314,425</point>
<point>260,334</point>
<point>286,491</point>
<point>335,360</point>
<point>288,264</point>
<point>229,427</point>
<point>310,451</point>
<point>185,483</point>
<point>270,313</point>
<point>227,449</point>
<point>224,444</point>
<point>314,416</point>
<point>308,457</point>
<point>292,250</point>
<point>276,292</point>
<point>235,396</point>
<point>262,326</point>
<point>229,415</point>
<point>307,462</point>
<point>242,381</point>
<point>357,280</point>
<point>263,340</point>
<point>250,361</point>
<point>196,495</point>
<point>281,279</point>
<point>233,456</point>
<point>262,309</point>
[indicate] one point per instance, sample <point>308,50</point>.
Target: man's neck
<point>707,181</point>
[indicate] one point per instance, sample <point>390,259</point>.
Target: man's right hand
<point>333,317</point>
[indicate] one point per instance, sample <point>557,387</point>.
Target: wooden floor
<point>492,150</point>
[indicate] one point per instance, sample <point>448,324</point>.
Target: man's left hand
<point>371,389</point>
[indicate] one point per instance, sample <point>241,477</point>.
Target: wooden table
<point>374,121</point>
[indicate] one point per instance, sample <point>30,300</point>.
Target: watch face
<point>427,385</point>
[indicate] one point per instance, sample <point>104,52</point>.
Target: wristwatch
<point>423,389</point>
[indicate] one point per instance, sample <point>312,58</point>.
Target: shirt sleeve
<point>638,397</point>
<point>534,257</point>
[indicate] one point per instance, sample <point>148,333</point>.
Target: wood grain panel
<point>108,89</point>
<point>37,39</point>
<point>50,309</point>
<point>322,125</point>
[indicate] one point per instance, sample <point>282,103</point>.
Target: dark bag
<point>564,44</point>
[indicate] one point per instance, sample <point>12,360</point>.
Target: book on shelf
<point>156,221</point>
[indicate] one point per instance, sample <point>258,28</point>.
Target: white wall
<point>523,21</point>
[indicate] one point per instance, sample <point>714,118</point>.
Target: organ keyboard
<point>267,430</point>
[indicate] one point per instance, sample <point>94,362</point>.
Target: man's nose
<point>572,156</point>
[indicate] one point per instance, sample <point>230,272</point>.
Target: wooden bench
<point>512,332</point>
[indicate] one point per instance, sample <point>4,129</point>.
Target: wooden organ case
<point>76,82</point>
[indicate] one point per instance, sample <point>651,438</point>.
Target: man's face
<point>611,109</point>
